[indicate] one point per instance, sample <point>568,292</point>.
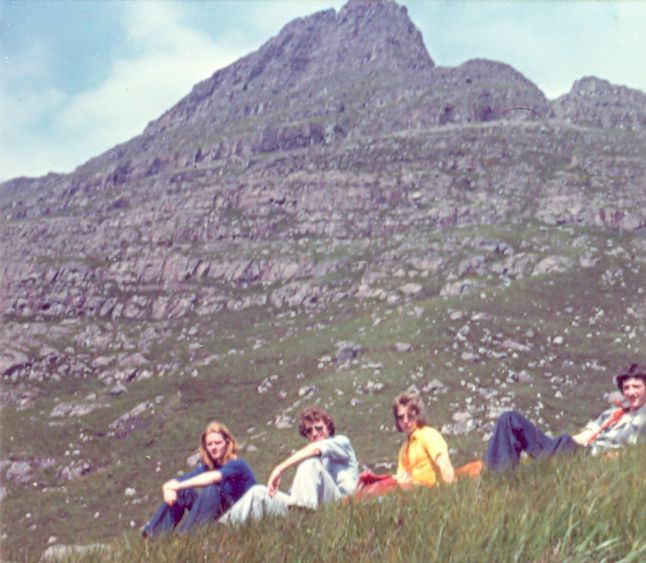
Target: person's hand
<point>274,480</point>
<point>403,478</point>
<point>170,493</point>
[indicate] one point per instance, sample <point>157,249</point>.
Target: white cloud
<point>170,58</point>
<point>26,101</point>
<point>53,131</point>
<point>622,50</point>
<point>21,103</point>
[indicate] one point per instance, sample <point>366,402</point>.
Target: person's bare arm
<point>308,451</point>
<point>446,468</point>
<point>583,437</point>
<point>170,488</point>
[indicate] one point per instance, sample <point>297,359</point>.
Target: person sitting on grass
<point>613,429</point>
<point>425,454</point>
<point>422,458</point>
<point>327,472</point>
<point>222,478</point>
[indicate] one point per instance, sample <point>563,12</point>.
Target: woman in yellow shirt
<point>424,455</point>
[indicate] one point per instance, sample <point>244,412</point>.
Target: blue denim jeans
<point>515,434</point>
<point>203,507</point>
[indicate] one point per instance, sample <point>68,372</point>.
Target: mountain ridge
<point>376,47</point>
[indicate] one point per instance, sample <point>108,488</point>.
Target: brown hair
<point>633,371</point>
<point>413,404</point>
<point>315,414</point>
<point>232,445</point>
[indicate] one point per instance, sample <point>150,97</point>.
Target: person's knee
<point>309,469</point>
<point>258,488</point>
<point>503,421</point>
<point>186,497</point>
<point>311,465</point>
<point>509,417</point>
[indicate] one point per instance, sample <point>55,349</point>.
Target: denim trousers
<point>203,506</point>
<point>515,434</point>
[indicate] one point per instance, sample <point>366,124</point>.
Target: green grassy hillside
<point>571,509</point>
<point>544,343</point>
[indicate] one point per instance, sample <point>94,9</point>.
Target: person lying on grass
<point>613,429</point>
<point>222,478</point>
<point>327,471</point>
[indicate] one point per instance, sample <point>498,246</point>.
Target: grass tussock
<point>576,509</point>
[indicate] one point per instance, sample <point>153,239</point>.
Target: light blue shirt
<point>630,430</point>
<point>340,461</point>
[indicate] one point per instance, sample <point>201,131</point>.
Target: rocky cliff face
<point>330,218</point>
<point>341,127</point>
<point>295,72</point>
<point>597,103</point>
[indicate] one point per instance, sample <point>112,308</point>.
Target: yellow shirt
<point>417,456</point>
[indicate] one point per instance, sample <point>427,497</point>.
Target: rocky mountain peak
<point>597,102</point>
<point>364,38</point>
<point>382,31</point>
<point>593,86</point>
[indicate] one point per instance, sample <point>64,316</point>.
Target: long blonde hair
<point>231,452</point>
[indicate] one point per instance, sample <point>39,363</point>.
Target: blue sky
<point>79,76</point>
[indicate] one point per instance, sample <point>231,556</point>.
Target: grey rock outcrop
<point>59,553</point>
<point>598,103</point>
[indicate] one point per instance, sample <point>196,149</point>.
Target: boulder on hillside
<point>12,360</point>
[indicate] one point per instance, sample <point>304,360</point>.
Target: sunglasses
<point>315,427</point>
<point>406,416</point>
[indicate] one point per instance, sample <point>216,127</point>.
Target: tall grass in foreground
<point>572,509</point>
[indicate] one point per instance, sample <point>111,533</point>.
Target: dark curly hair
<point>630,372</point>
<point>315,414</point>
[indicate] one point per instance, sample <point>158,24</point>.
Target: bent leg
<point>515,434</point>
<point>255,504</point>
<point>207,508</point>
<point>313,485</point>
<point>564,444</point>
<point>167,517</point>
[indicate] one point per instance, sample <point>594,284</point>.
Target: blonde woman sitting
<point>221,478</point>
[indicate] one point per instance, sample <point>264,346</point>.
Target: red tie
<point>612,420</point>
